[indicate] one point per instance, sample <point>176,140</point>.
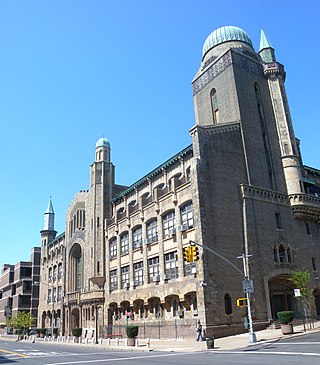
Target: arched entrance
<point>281,294</point>
<point>75,318</point>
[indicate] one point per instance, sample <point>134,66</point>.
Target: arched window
<point>275,254</point>
<point>214,106</point>
<point>137,237</point>
<point>124,243</point>
<point>76,268</point>
<point>152,231</point>
<point>227,304</point>
<point>168,223</point>
<point>187,215</point>
<point>289,255</point>
<point>282,253</point>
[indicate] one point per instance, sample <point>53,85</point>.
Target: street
<point>294,351</point>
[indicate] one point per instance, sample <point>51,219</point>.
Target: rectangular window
<point>113,280</point>
<point>113,248</point>
<point>125,277</point>
<point>49,296</point>
<point>171,265</point>
<point>60,271</point>
<point>278,220</point>
<point>189,268</point>
<point>54,295</point>
<point>154,274</point>
<point>138,273</point>
<point>124,243</point>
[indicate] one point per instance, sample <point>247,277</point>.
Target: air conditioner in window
<point>172,231</point>
<point>182,228</point>
<point>156,279</point>
<point>166,277</point>
<point>126,285</point>
<point>147,241</point>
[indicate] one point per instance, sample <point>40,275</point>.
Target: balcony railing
<point>305,206</point>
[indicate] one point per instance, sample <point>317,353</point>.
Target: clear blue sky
<point>72,71</point>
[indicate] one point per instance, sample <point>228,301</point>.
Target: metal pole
<point>96,324</point>
<point>52,316</point>
<point>252,335</point>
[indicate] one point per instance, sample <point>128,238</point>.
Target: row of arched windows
<point>168,227</point>
<point>282,254</point>
<point>55,272</point>
<point>78,221</point>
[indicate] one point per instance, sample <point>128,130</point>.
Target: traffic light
<point>187,254</point>
<point>242,302</point>
<point>195,253</point>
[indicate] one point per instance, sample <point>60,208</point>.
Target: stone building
<point>239,188</point>
<point>19,289</point>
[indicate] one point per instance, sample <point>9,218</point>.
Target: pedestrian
<point>199,332</point>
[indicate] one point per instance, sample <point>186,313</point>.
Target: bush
<point>76,332</point>
<point>132,331</point>
<point>43,331</point>
<point>55,331</point>
<point>285,317</point>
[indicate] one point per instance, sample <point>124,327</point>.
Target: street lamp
<point>52,299</point>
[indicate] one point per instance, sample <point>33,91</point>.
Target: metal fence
<point>155,330</point>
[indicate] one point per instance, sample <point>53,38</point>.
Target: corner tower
<point>231,95</point>
<point>275,75</point>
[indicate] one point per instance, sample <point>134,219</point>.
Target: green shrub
<point>132,331</point>
<point>55,331</point>
<point>285,317</point>
<point>76,332</point>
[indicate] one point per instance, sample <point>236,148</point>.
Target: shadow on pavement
<point>5,360</point>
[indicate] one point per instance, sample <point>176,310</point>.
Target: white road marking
<point>117,359</point>
<point>266,353</point>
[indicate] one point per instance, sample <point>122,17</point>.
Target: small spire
<point>50,207</point>
<point>49,217</point>
<point>264,41</point>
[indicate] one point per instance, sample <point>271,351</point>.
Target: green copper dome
<point>102,142</point>
<point>225,34</point>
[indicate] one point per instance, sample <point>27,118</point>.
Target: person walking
<point>199,332</point>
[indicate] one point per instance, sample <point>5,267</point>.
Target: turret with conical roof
<point>48,233</point>
<point>266,51</point>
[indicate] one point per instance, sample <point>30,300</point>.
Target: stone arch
<point>281,294</point>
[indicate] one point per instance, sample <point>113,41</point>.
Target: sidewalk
<point>188,345</point>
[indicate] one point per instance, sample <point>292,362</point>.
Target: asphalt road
<point>294,351</point>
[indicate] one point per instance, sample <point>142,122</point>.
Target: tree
<point>301,280</point>
<point>21,321</point>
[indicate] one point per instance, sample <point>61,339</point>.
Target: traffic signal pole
<point>244,274</point>
<point>252,335</point>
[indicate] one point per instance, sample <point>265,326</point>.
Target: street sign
<point>297,292</point>
<point>247,286</point>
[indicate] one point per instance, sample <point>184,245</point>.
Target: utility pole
<point>252,335</point>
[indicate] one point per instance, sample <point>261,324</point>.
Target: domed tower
<point>101,185</point>
<point>230,92</point>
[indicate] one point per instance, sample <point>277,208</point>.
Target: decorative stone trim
<point>269,196</point>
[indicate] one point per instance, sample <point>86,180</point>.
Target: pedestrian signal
<point>242,302</point>
<point>187,254</point>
